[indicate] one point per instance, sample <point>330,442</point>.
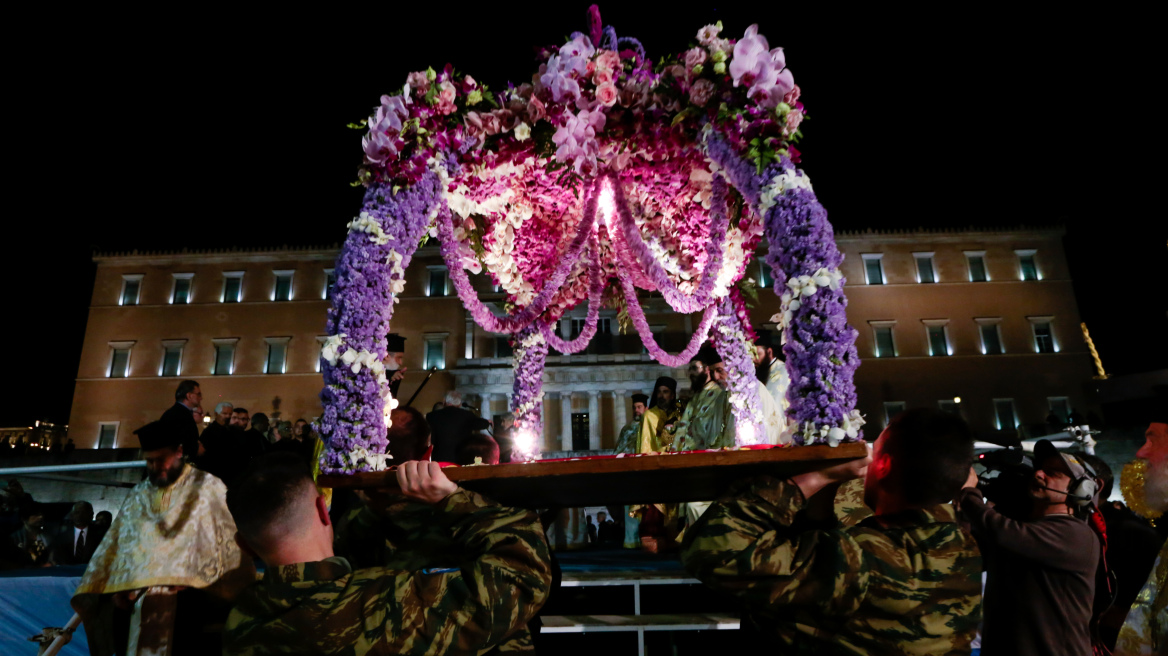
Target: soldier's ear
<point>322,511</point>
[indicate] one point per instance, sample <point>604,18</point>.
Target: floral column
<point>530,353</point>
<point>370,274</point>
<point>734,345</point>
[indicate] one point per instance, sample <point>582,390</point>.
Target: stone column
<point>468,347</point>
<point>566,421</point>
<point>594,420</point>
<point>621,405</point>
<point>485,409</point>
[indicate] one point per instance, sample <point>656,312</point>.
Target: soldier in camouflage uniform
<point>905,581</point>
<point>311,602</point>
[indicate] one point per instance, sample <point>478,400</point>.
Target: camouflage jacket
<point>327,607</point>
<point>908,583</point>
<point>409,536</point>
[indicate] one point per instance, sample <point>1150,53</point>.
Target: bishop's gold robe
<point>1146,630</point>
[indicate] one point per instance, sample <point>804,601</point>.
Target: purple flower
<point>760,68</point>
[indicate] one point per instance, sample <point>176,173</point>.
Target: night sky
<point>162,131</point>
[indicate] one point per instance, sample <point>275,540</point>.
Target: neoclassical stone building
<point>978,321</point>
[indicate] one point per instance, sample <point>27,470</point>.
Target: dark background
<point>195,129</point>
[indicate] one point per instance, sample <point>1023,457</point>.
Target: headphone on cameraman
<point>1081,491</point>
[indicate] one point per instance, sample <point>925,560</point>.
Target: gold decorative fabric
<point>1145,632</point>
<point>181,535</point>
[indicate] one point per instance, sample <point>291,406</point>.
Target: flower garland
<point>595,291</point>
<point>530,353</point>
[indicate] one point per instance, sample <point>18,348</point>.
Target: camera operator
<point>1041,572</point>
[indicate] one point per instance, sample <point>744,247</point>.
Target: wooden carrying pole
<point>680,477</point>
<point>64,637</point>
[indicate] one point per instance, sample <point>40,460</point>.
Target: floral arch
<point>603,175</point>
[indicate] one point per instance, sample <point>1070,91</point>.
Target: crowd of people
<point>906,551</point>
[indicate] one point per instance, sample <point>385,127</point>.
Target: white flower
<point>523,132</point>
<point>350,356</point>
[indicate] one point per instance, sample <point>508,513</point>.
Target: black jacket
<point>182,420</point>
<point>64,544</point>
<point>449,428</point>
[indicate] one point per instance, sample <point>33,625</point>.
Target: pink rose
<point>473,123</point>
<point>491,123</point>
<point>590,68</point>
<point>794,119</point>
<point>792,95</point>
<point>602,76</point>
<point>608,60</point>
<point>694,57</point>
<point>446,93</point>
<point>468,83</point>
<point>606,94</point>
<point>701,92</point>
<point>536,109</point>
<point>679,72</point>
<point>418,81</point>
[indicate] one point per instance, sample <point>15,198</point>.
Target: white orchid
<point>350,356</point>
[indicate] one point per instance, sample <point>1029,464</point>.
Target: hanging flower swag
<point>603,169</point>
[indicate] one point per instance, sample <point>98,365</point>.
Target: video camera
<point>1006,480</point>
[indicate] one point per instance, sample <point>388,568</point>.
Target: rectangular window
<point>277,355</point>
<point>131,289</point>
<point>1060,407</point>
<point>503,347</point>
<point>885,345</point>
<point>1004,414</point>
<point>1043,337</point>
<point>1026,264</point>
<point>435,354</point>
<point>938,341</point>
<point>925,272</point>
<point>948,405</point>
<point>580,431</point>
<point>764,274</point>
<point>437,284</point>
<point>232,286</point>
<point>107,435</point>
<point>172,360</point>
<point>224,358</point>
<point>182,288</point>
<point>977,267</point>
<point>874,268</point>
<point>891,409</point>
<point>119,362</point>
<point>330,280</point>
<point>283,289</point>
<point>991,337</point>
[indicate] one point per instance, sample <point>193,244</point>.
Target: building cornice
<point>963,234</point>
<point>217,255</point>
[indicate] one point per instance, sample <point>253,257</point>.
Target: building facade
<point>979,322</point>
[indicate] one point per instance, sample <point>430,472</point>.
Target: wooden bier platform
<point>697,476</point>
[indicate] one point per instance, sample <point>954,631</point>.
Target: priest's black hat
<point>640,398</point>
<point>395,343</point>
<point>708,355</point>
<point>158,435</point>
<point>665,381</point>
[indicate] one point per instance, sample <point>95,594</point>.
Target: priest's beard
<point>168,476</point>
<point>762,372</point>
<point>1156,486</point>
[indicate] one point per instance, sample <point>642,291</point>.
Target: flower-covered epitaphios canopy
<point>602,175</point>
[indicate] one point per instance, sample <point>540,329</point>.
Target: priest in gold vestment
<point>169,564</point>
<point>1145,632</point>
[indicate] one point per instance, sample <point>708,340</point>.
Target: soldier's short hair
<point>478,446</point>
<point>408,434</point>
<point>265,497</point>
<point>930,452</point>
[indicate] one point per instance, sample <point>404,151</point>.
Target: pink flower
<point>491,123</point>
<point>446,94</point>
<point>794,118</point>
<point>701,92</point>
<point>608,60</point>
<point>694,57</point>
<point>602,76</point>
<point>606,94</point>
<point>792,95</point>
<point>760,68</point>
<point>536,109</point>
<point>418,82</point>
<point>708,34</point>
<point>474,126</point>
<point>590,68</point>
<point>468,83</point>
